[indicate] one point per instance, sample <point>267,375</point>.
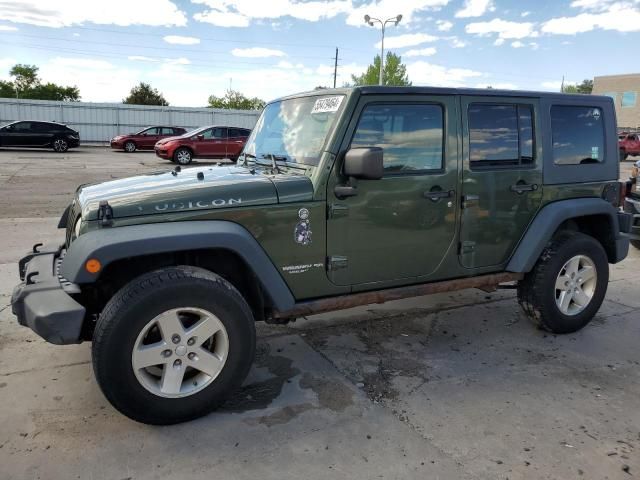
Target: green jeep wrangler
<point>340,198</point>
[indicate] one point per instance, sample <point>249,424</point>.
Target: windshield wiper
<point>274,158</point>
<point>245,156</point>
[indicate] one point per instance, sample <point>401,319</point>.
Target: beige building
<point>625,91</point>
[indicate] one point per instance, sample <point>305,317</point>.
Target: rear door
<point>401,226</point>
<point>235,141</point>
<point>44,133</point>
<point>502,177</point>
<point>166,132</point>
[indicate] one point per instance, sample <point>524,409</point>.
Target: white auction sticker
<point>328,104</point>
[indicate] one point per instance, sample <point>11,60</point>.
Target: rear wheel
<point>60,145</point>
<point>566,287</point>
<point>172,344</point>
<point>182,156</point>
<point>636,243</point>
<point>129,147</point>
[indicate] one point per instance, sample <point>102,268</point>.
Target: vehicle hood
<point>169,139</point>
<point>193,189</point>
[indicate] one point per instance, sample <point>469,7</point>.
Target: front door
<point>401,226</point>
<point>213,143</point>
<point>502,177</point>
<point>20,134</point>
<point>148,138</point>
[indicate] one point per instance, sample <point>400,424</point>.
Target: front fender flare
<point>547,221</point>
<point>111,244</point>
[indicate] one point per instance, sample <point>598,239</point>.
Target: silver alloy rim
<point>184,156</point>
<point>576,285</point>
<point>59,145</point>
<point>180,352</point>
<point>129,147</point>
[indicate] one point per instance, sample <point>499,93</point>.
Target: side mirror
<point>364,163</point>
<point>200,137</point>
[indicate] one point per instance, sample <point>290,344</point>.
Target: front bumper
<point>43,302</point>
<point>117,144</point>
<point>162,153</point>
<point>632,206</point>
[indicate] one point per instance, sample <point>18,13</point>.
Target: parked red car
<point>212,142</point>
<point>629,144</point>
<point>144,139</point>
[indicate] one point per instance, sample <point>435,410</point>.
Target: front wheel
<point>182,156</point>
<point>60,145</point>
<point>172,345</point>
<point>567,285</point>
<point>129,147</point>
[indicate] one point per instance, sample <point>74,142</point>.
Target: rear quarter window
<point>577,135</point>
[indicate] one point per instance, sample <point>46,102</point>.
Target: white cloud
<point>423,52</point>
<point>75,12</point>
<point>503,28</point>
<point>407,40</point>
<point>517,44</point>
<point>8,28</point>
<point>457,43</point>
<point>257,52</point>
<point>425,73</point>
<point>444,25</point>
<point>475,8</point>
<point>621,17</point>
<point>240,13</point>
<point>5,65</point>
<point>181,40</point>
<point>525,14</point>
<point>177,61</point>
<point>141,58</point>
<point>499,42</point>
<point>534,45</point>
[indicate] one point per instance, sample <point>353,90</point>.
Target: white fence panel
<point>99,122</point>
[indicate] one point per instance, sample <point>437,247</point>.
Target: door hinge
<point>336,262</point>
<point>337,210</point>
<point>467,247</point>
<point>105,213</point>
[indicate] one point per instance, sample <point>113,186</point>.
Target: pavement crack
<point>29,370</point>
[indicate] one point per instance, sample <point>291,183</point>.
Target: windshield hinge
<point>337,210</point>
<point>105,213</point>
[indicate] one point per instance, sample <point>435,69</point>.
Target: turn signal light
<point>93,265</point>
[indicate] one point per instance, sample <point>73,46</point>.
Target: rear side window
<point>410,135</point>
<point>578,135</point>
<point>500,135</point>
<point>166,131</point>
<point>234,132</point>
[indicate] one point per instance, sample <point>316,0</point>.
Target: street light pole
<point>370,20</point>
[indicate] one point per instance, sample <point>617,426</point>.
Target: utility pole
<point>562,85</point>
<point>335,69</point>
<point>370,21</point>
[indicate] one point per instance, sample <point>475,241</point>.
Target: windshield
<point>193,132</point>
<point>294,130</point>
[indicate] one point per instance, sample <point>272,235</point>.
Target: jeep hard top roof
<point>478,92</point>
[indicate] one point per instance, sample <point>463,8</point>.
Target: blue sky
<point>191,49</point>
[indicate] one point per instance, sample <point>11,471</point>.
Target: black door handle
<point>435,195</point>
<point>520,188</point>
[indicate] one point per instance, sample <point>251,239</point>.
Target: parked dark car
<point>37,134</point>
<point>144,139</point>
<point>213,142</point>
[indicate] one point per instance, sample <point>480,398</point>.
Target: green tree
<point>145,94</point>
<point>395,72</point>
<point>27,84</point>
<point>234,100</point>
<point>25,77</point>
<point>586,87</point>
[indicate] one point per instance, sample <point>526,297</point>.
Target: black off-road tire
<point>537,293</point>
<point>636,244</point>
<point>140,301</point>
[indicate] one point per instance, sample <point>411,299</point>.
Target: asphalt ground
<point>449,386</point>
